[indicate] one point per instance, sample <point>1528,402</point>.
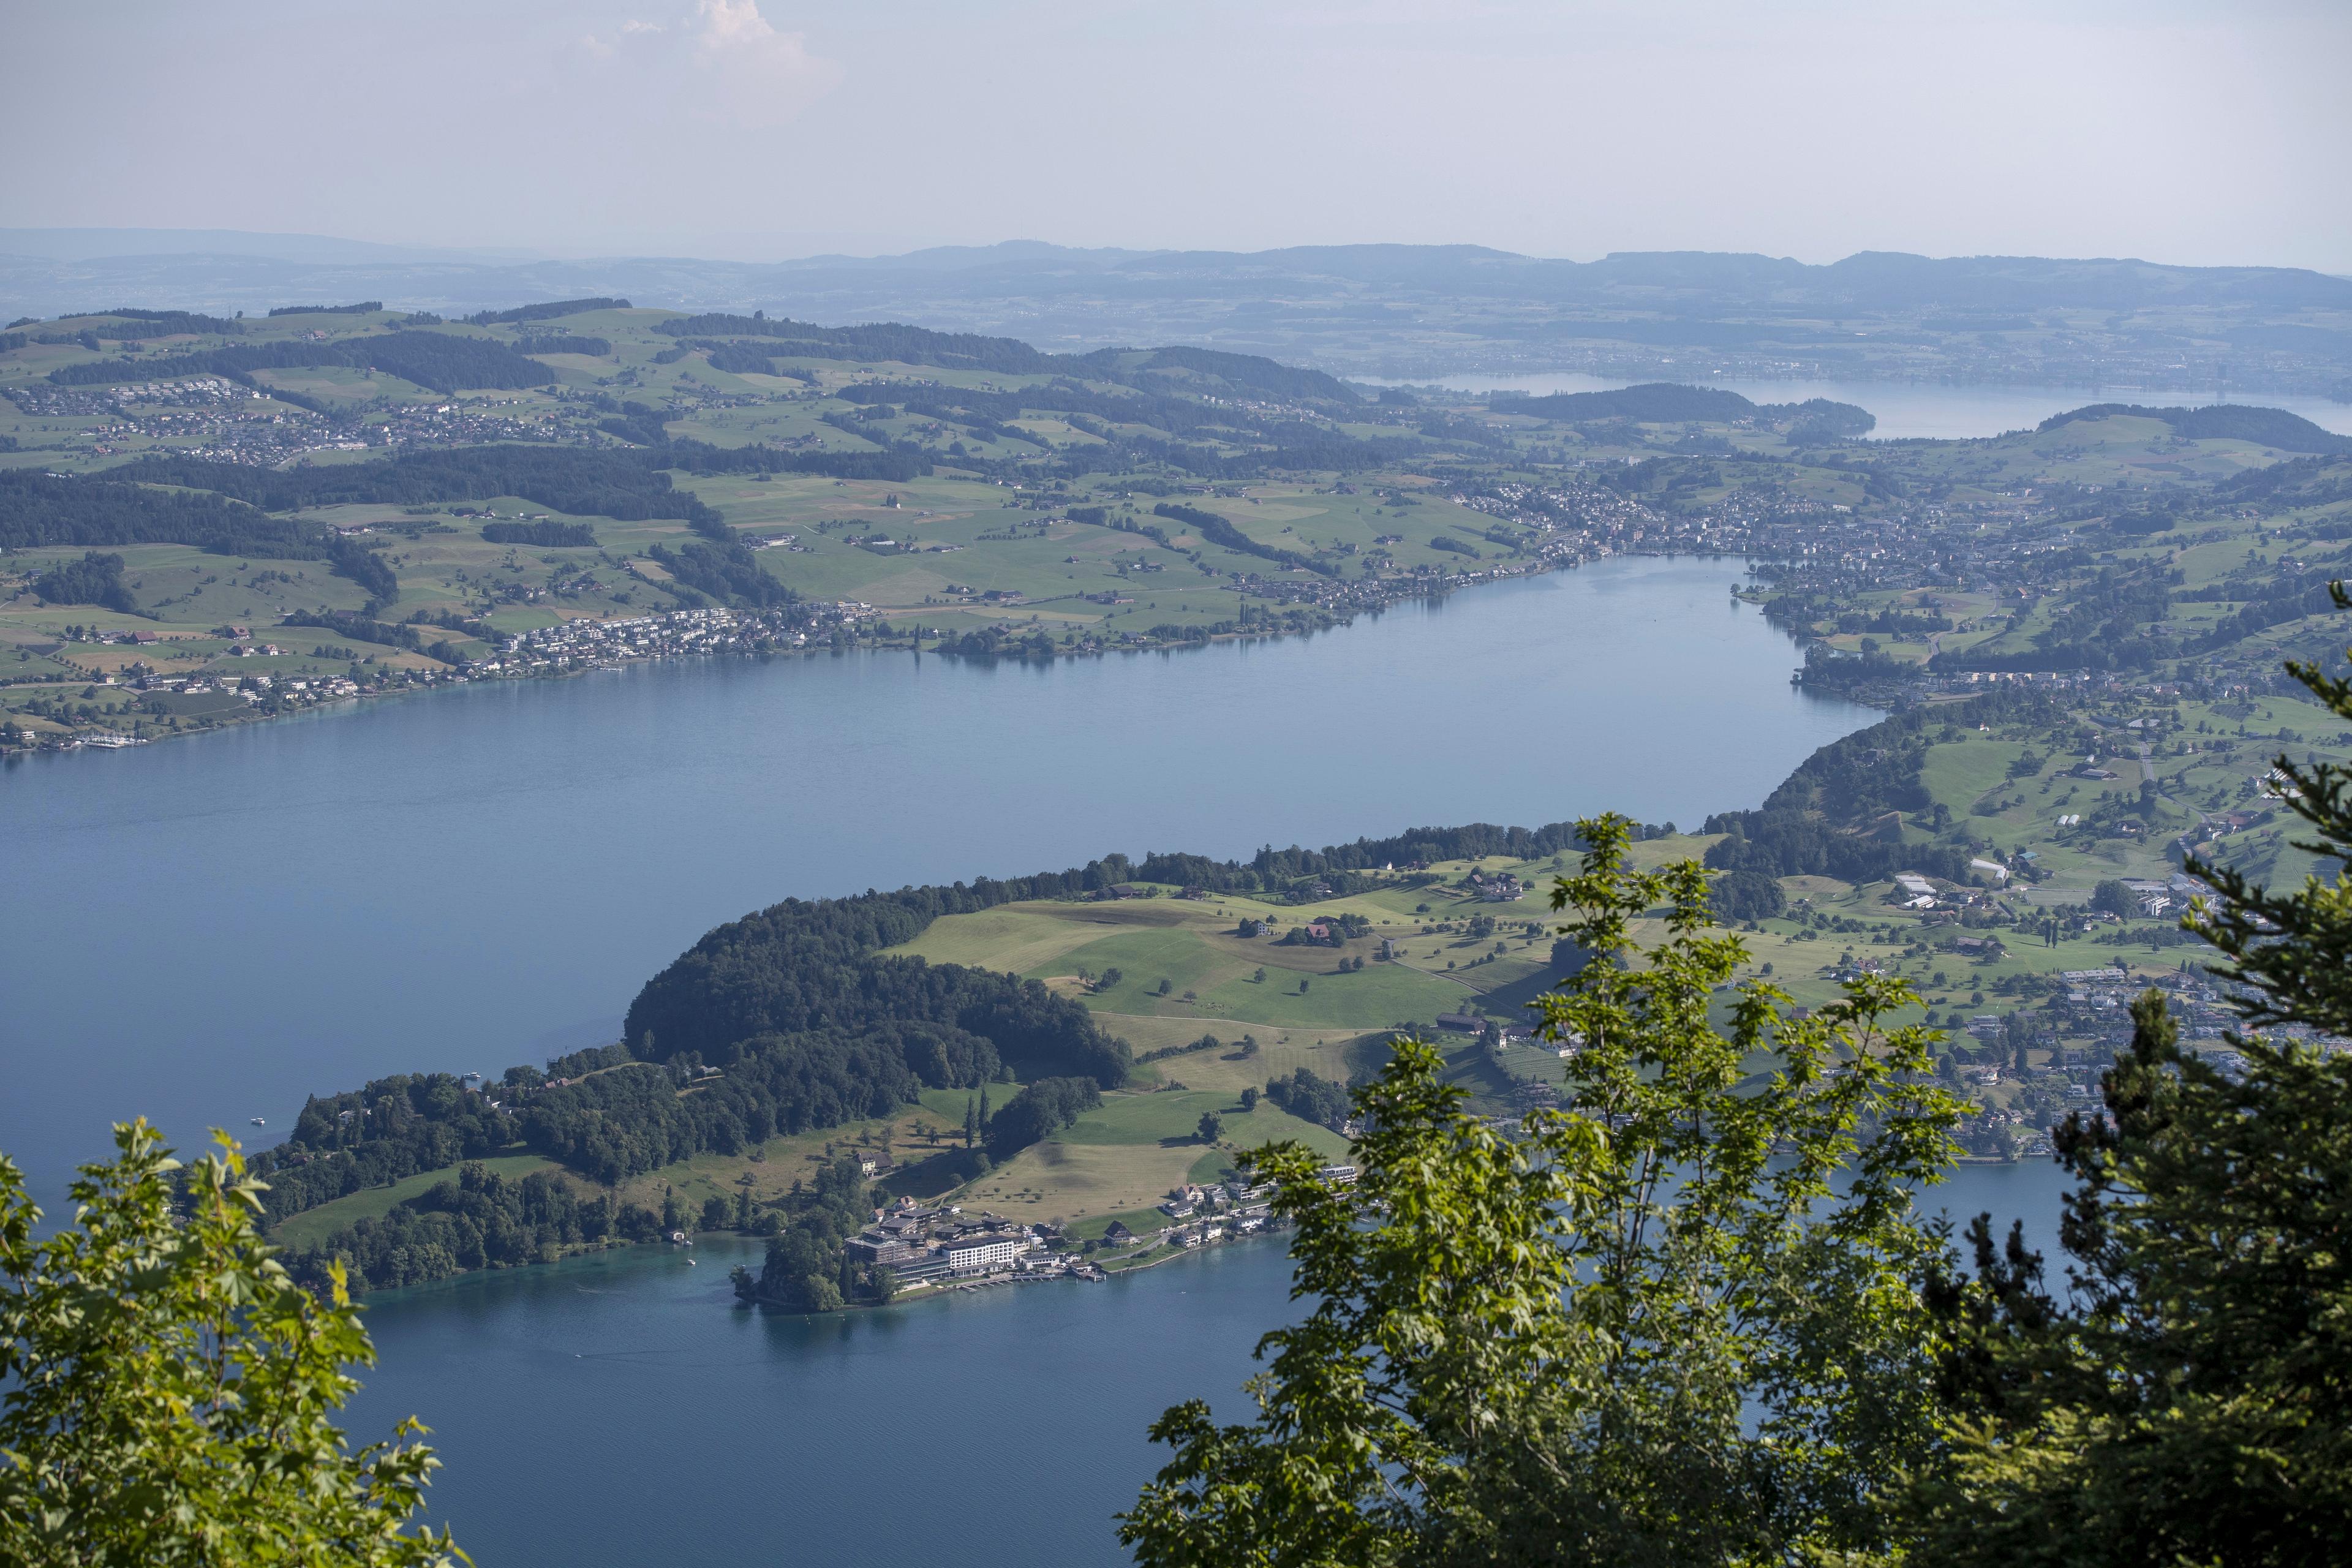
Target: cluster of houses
<point>941,1244</point>
<point>1199,1217</point>
<point>1499,888</point>
<point>1202,1215</point>
<point>585,644</point>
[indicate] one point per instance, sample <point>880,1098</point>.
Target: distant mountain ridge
<point>1401,311</point>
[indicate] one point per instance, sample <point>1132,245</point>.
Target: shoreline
<point>1139,1262</point>
<point>102,737</point>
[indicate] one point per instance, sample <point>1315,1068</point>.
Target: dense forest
<point>806,1266</point>
<point>1038,1112</point>
<point>567,479</point>
<point>37,510</point>
<point>544,533</point>
<point>481,1220</point>
<point>799,966</point>
<point>1252,372</point>
<point>1310,1096</point>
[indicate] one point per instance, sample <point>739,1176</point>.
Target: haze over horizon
<point>2183,131</point>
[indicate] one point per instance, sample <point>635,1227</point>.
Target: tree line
<point>802,966</point>
<point>630,486</point>
<point>874,341</point>
<point>443,361</point>
<point>891,340</point>
<point>546,311</point>
<point>39,510</point>
<point>564,478</point>
<point>1220,532</point>
<point>480,1220</point>
<point>544,533</point>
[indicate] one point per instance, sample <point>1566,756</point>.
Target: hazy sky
<point>2198,132</point>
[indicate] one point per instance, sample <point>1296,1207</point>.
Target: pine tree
<point>2188,1400</point>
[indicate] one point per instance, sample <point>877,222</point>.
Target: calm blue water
<point>660,1424</point>
<point>205,930</point>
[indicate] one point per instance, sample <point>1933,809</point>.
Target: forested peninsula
<point>796,1018</point>
<point>784,1021</point>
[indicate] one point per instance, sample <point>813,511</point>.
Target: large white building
<point>978,1254</point>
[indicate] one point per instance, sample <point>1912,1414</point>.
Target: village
<point>939,1247</point>
<point>132,699</point>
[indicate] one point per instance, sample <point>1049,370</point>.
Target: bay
<point>619,1410</point>
<point>207,930</point>
<point>1932,410</point>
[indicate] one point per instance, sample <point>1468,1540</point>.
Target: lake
<point>1934,410</point>
<point>207,930</point>
<point>659,1423</point>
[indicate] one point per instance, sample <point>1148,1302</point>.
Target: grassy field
<point>1124,1158</point>
<point>1215,978</point>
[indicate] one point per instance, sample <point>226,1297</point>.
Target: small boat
<point>689,1263</point>
<point>257,1122</point>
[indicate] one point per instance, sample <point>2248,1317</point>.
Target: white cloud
<point>758,77</point>
<point>636,26</point>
